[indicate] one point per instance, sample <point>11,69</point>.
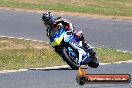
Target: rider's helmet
<point>48,18</point>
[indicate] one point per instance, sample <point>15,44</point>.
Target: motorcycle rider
<point>54,24</point>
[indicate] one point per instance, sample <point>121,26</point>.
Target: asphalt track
<point>61,78</point>
<point>99,32</point>
<point>109,33</point>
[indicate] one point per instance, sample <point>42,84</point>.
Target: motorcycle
<point>62,40</point>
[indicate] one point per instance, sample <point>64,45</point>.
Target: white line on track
<point>10,71</point>
<point>58,67</point>
<point>20,38</point>
<point>47,42</point>
<point>66,66</point>
<point>54,67</point>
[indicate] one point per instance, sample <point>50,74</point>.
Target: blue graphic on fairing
<point>85,59</point>
<point>71,52</point>
<point>70,39</point>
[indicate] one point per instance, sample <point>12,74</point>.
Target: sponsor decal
<point>83,78</point>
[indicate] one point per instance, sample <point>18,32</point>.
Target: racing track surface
<point>61,78</point>
<point>100,33</point>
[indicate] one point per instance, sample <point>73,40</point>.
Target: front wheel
<point>68,60</point>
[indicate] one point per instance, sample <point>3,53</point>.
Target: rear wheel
<point>93,63</point>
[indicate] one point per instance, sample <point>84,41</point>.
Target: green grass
<point>16,54</point>
<point>112,55</point>
<point>104,7</point>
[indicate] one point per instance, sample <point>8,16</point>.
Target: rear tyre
<point>93,63</point>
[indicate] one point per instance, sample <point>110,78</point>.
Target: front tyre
<point>67,59</point>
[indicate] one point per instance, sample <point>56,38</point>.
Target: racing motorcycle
<point>62,41</point>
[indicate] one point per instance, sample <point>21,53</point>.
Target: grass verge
<point>16,54</point>
<point>104,7</point>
